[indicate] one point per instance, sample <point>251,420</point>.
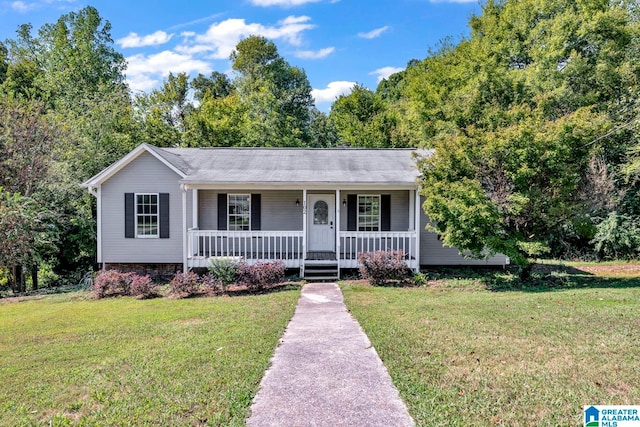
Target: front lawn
<point>461,354</point>
<point>67,359</point>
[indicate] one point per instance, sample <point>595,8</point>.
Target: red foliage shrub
<point>142,287</point>
<point>185,285</point>
<point>258,276</point>
<point>383,267</point>
<point>212,285</point>
<point>111,283</point>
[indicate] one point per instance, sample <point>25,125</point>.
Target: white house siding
<point>399,208</point>
<point>278,209</point>
<point>145,174</point>
<point>432,252</point>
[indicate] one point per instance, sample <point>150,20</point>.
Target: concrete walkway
<point>325,371</point>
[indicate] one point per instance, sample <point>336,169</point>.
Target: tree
<point>217,86</point>
<point>515,114</point>
<point>363,118</point>
<point>70,78</point>
<point>26,139</point>
<point>163,112</point>
<point>276,96</point>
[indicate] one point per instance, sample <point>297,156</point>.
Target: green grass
<point>461,354</point>
<point>67,359</point>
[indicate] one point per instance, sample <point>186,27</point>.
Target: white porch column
<point>99,225</point>
<point>337,225</point>
<point>194,222</point>
<point>304,231</point>
<point>412,210</point>
<point>417,215</point>
<point>184,228</point>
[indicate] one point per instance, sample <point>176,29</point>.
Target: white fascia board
<point>117,166</point>
<point>300,186</point>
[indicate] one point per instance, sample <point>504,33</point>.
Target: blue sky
<point>337,42</point>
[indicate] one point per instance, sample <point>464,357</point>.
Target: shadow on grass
<point>544,278</point>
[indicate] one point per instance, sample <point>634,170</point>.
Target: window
<point>239,211</point>
<point>368,213</point>
<point>320,213</point>
<point>147,215</point>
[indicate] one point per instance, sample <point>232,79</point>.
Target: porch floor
<point>321,256</point>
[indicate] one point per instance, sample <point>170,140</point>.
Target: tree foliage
<point>516,114</point>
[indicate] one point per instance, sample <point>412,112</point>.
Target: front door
<point>321,222</point>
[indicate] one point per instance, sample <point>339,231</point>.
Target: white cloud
<point>22,7</point>
<point>385,72</point>
<point>221,38</point>
<point>154,39</point>
<point>144,72</point>
<point>315,54</point>
<point>332,91</point>
<point>281,3</point>
<point>374,33</point>
<point>142,82</point>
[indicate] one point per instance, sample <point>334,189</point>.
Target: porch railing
<point>253,246</point>
<point>354,242</point>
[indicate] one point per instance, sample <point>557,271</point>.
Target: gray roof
<point>278,166</point>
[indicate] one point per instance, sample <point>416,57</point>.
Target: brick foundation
<point>163,271</point>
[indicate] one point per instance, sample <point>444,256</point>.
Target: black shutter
<point>164,215</point>
<point>352,212</point>
<point>222,211</point>
<point>129,216</point>
<point>255,211</point>
<point>385,212</point>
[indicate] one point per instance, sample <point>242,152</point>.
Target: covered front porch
<point>309,229</point>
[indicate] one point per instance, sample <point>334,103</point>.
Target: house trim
<point>330,187</point>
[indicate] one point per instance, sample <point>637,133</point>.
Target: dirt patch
<point>627,269</point>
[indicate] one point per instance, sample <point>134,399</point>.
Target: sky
<point>337,42</point>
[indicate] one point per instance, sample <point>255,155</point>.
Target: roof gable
<point>175,165</point>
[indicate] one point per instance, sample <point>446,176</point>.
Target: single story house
<point>163,210</point>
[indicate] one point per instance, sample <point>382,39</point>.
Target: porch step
<point>321,270</point>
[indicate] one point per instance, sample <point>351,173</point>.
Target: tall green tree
<point>276,95</point>
<point>516,114</point>
<point>72,71</point>
<point>163,112</point>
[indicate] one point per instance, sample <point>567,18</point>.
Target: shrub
<point>212,285</point>
<point>110,283</point>
<point>142,287</point>
<point>617,237</point>
<point>258,276</point>
<point>225,270</point>
<point>383,267</point>
<point>420,279</point>
<point>184,285</point>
